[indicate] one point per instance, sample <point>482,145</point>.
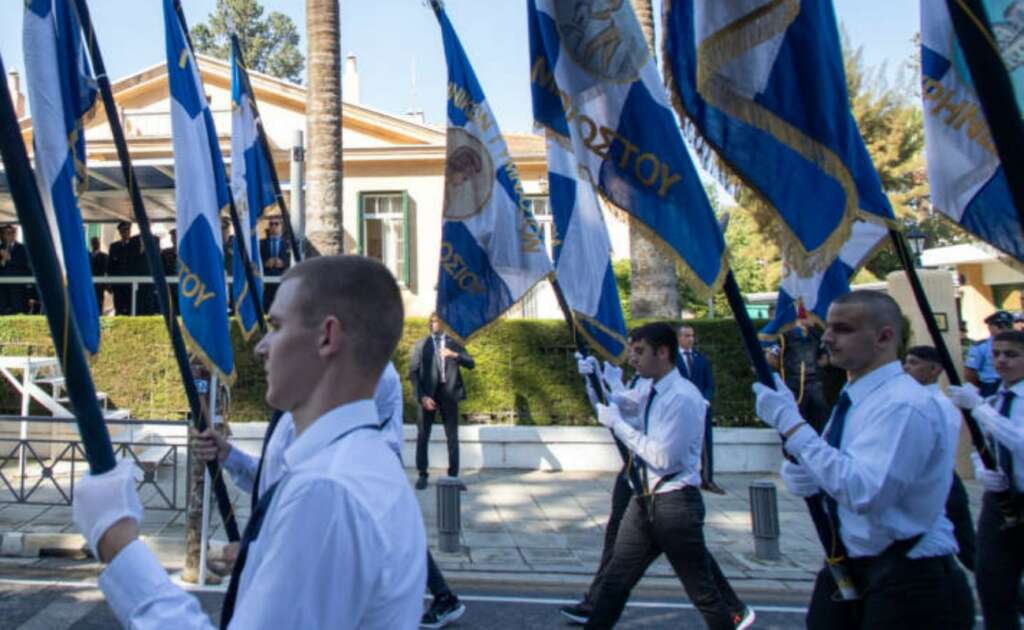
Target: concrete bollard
<point>764,517</point>
<point>449,513</point>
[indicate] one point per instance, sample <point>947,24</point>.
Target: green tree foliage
<point>269,44</point>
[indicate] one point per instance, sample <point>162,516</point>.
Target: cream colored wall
<point>977,301</point>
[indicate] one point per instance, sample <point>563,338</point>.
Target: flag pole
<point>50,280</point>
<point>995,91</point>
<point>265,144</point>
<point>152,253</point>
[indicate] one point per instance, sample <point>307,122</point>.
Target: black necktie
<point>274,419</point>
<point>1005,456</point>
<point>640,467</point>
<point>689,363</point>
<point>833,436</point>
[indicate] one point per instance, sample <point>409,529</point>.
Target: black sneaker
<point>743,619</point>
<point>421,483</point>
<point>578,613</point>
<point>444,610</point>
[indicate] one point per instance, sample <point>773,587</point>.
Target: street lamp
<point>915,240</point>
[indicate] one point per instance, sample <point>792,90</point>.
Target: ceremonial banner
<point>815,292</point>
<point>582,249</point>
<point>200,193</point>
<point>491,247</point>
<point>62,92</point>
<point>595,84</point>
<point>967,181</point>
<point>762,84</point>
<point>253,191</point>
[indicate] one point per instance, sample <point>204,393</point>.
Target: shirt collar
<point>871,381</point>
<point>1017,389</point>
<point>328,427</point>
<point>662,384</point>
<point>934,388</point>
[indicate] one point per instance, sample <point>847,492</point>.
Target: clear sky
<point>395,40</point>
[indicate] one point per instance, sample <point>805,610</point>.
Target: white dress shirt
<point>893,470</point>
<point>342,544</point>
<point>1007,431</point>
<point>675,430</point>
<point>954,417</point>
<point>242,467</point>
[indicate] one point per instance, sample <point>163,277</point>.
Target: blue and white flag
<point>62,91</point>
<point>813,293</point>
<point>967,180</point>
<point>763,86</point>
<point>253,191</point>
<point>200,193</point>
<point>492,251</point>
<point>582,249</point>
<point>595,84</point>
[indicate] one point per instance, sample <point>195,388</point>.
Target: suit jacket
<point>285,254</point>
<point>98,262</point>
<point>701,376</point>
<point>425,376</point>
<point>126,258</point>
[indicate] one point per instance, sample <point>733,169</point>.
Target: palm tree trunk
<point>654,291</point>
<point>324,227</point>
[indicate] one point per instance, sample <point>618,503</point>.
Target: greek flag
<point>492,252</point>
<point>595,84</point>
<point>62,92</point>
<point>200,193</point>
<point>252,189</point>
<point>582,251</point>
<point>968,183</point>
<point>762,86</point>
<point>814,292</point>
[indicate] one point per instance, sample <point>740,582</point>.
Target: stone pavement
<point>521,526</point>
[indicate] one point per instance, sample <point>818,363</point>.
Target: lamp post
<point>916,240</point>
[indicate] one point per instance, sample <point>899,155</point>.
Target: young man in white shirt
<point>1000,558</point>
<point>339,541</point>
<point>661,422</point>
<point>881,471</point>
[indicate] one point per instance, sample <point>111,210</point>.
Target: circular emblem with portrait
<point>603,37</point>
<point>468,176</point>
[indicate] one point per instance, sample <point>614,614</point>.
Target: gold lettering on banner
<point>192,287</point>
<point>939,100</point>
<point>453,264</point>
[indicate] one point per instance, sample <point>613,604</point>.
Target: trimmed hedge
<point>525,372</point>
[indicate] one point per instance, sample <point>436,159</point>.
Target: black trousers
<point>997,570</point>
<point>449,408</point>
<point>897,594</point>
<point>675,527</point>
<point>621,494</point>
<point>436,583</point>
<point>122,299</point>
<point>707,454</point>
<point>958,511</point>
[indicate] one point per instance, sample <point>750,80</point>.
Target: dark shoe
<point>712,487</point>
<point>421,483</point>
<point>744,618</point>
<point>578,613</point>
<point>445,609</point>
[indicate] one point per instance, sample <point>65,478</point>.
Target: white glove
<point>612,375</point>
<point>965,396</point>
<point>609,415</point>
<point>586,365</point>
<point>991,480</point>
<point>777,407</point>
<point>102,500</point>
<point>798,480</point>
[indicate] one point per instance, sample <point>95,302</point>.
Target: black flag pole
<point>265,144</point>
<point>995,91</point>
<point>50,280</point>
<point>152,253</point>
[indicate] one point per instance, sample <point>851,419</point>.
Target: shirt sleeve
<point>863,476</point>
<point>143,597</point>
<point>681,420</point>
<point>975,356</point>
<point>1009,433</point>
<point>242,468</point>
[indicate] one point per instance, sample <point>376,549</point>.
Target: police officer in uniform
<point>979,369</point>
<point>880,474</point>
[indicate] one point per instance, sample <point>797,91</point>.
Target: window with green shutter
<point>383,231</point>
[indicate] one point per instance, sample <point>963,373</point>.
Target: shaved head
<point>881,310</point>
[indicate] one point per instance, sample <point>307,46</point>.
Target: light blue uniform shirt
<point>979,359</point>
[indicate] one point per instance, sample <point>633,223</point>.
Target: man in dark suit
<point>695,367</point>
<point>13,262</point>
<point>276,257</point>
<point>123,260</point>
<point>434,371</point>
<point>98,265</point>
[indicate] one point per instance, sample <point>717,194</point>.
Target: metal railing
<point>43,470</point>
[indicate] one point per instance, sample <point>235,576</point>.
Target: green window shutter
<point>360,229</point>
<point>407,266</point>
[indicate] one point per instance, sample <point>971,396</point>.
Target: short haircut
<point>657,335</point>
<point>362,294</point>
<point>1010,336</point>
<point>123,224</point>
<point>925,353</point>
<point>881,309</point>
<point>683,327</point>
